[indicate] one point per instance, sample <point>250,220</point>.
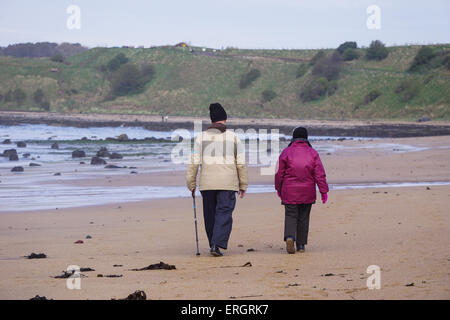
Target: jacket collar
<point>218,126</point>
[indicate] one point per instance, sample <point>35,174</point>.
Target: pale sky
<point>285,24</point>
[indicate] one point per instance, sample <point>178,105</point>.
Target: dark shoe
<point>215,251</point>
<point>290,245</point>
<point>301,248</point>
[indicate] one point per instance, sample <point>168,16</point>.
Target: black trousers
<point>218,206</point>
<point>296,222</point>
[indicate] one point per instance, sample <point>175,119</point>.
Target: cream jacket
<point>221,157</point>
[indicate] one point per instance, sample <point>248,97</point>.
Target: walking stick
<point>195,221</point>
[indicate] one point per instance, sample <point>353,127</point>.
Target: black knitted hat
<point>217,112</point>
<point>300,132</point>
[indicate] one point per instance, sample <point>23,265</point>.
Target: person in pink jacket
<point>299,170</point>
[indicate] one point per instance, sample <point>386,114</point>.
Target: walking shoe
<point>290,245</point>
<point>301,248</point>
<point>215,251</point>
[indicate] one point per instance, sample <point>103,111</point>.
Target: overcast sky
<point>289,24</point>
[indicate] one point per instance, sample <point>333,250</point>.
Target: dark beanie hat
<point>217,112</point>
<point>300,132</point>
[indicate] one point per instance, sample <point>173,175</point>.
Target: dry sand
<point>405,231</point>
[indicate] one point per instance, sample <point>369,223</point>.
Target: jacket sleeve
<point>320,177</point>
<point>194,163</point>
<point>279,174</point>
<point>241,165</point>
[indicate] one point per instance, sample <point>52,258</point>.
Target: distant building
<point>181,45</point>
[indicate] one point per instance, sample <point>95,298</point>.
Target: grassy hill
<point>186,82</point>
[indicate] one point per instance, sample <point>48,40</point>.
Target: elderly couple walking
<point>221,156</point>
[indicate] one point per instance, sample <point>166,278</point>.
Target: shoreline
<point>352,128</point>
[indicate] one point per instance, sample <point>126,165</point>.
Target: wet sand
<point>405,231</point>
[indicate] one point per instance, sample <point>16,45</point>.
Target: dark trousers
<point>218,206</point>
<point>296,222</point>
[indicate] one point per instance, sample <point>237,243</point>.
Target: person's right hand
<point>324,198</point>
<point>193,193</point>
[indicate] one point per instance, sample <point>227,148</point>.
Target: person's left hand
<point>242,193</point>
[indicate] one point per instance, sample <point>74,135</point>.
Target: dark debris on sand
<point>37,297</point>
<point>36,256</point>
<point>137,295</point>
<point>157,266</point>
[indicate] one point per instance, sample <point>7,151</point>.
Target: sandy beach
<point>403,230</point>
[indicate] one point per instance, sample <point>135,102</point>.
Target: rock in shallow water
<point>78,154</point>
<point>17,169</point>
<point>21,144</point>
<point>97,161</point>
<point>55,146</point>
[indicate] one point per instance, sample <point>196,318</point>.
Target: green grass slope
<point>185,83</point>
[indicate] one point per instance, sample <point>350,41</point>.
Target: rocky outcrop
<point>21,144</point>
<point>103,152</point>
<point>6,141</point>
<point>97,161</point>
<point>123,137</point>
<point>115,155</point>
<point>78,154</point>
<point>17,169</point>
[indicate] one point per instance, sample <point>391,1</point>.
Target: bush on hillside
<point>314,89</point>
<point>45,105</point>
<point>350,54</point>
<point>319,55</point>
<point>115,63</point>
<point>129,79</point>
<point>371,96</point>
<point>38,96</point>
<point>8,96</point>
<point>423,57</point>
<point>328,67</point>
<point>377,51</point>
<point>58,57</point>
<point>302,69</point>
<point>268,95</point>
<point>408,89</point>
<point>248,78</point>
<point>347,45</point>
<point>19,96</point>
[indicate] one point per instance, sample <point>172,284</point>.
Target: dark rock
<point>6,141</point>
<point>21,144</point>
<point>84,139</point>
<point>123,137</point>
<point>328,275</point>
<point>79,242</point>
<point>117,265</point>
<point>55,146</point>
<point>112,166</point>
<point>36,256</point>
<point>115,155</point>
<point>86,269</point>
<point>13,157</point>
<point>109,276</point>
<point>82,162</point>
<point>157,266</point>
<point>57,174</point>
<point>103,152</point>
<point>137,295</point>
<point>251,250</point>
<point>26,155</point>
<point>88,237</point>
<point>17,169</point>
<point>37,297</point>
<point>97,161</point>
<point>9,152</point>
<point>133,172</point>
<point>78,154</point>
<point>32,164</point>
<point>409,284</point>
